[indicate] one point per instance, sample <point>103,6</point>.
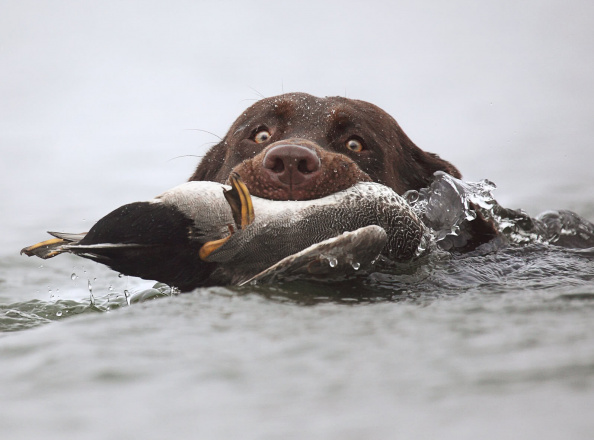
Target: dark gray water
<point>500,345</point>
<point>97,101</point>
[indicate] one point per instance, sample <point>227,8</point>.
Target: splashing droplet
<point>127,295</point>
<point>411,196</point>
<point>356,265</point>
<point>332,261</point>
<point>91,297</point>
<point>470,215</point>
<point>73,276</point>
<point>424,243</point>
<point>59,313</point>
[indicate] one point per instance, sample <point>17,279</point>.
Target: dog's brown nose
<point>291,164</point>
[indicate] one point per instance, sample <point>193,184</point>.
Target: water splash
<point>423,245</point>
<point>29,314</point>
<point>91,297</point>
<point>449,202</point>
<point>449,205</point>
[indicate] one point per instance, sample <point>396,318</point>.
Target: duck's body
<point>193,235</point>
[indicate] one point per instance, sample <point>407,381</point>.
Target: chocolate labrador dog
<point>299,147</point>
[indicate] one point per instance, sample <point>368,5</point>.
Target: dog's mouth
<point>298,169</point>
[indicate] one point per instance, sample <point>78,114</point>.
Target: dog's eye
<point>354,145</point>
<point>262,136</point>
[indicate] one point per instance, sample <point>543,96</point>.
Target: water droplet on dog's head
<point>356,265</point>
<point>332,261</point>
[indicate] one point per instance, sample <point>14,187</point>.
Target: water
<point>484,345</point>
<point>208,363</point>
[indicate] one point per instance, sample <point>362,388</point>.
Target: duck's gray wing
<point>333,259</point>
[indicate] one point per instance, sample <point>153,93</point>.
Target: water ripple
<point>29,314</point>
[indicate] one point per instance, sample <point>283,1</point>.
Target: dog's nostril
<point>306,167</point>
<point>278,165</point>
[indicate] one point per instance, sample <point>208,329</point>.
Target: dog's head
<point>299,147</point>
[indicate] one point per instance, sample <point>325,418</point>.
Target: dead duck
<point>205,233</point>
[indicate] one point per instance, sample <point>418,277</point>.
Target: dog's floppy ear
<point>211,164</point>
